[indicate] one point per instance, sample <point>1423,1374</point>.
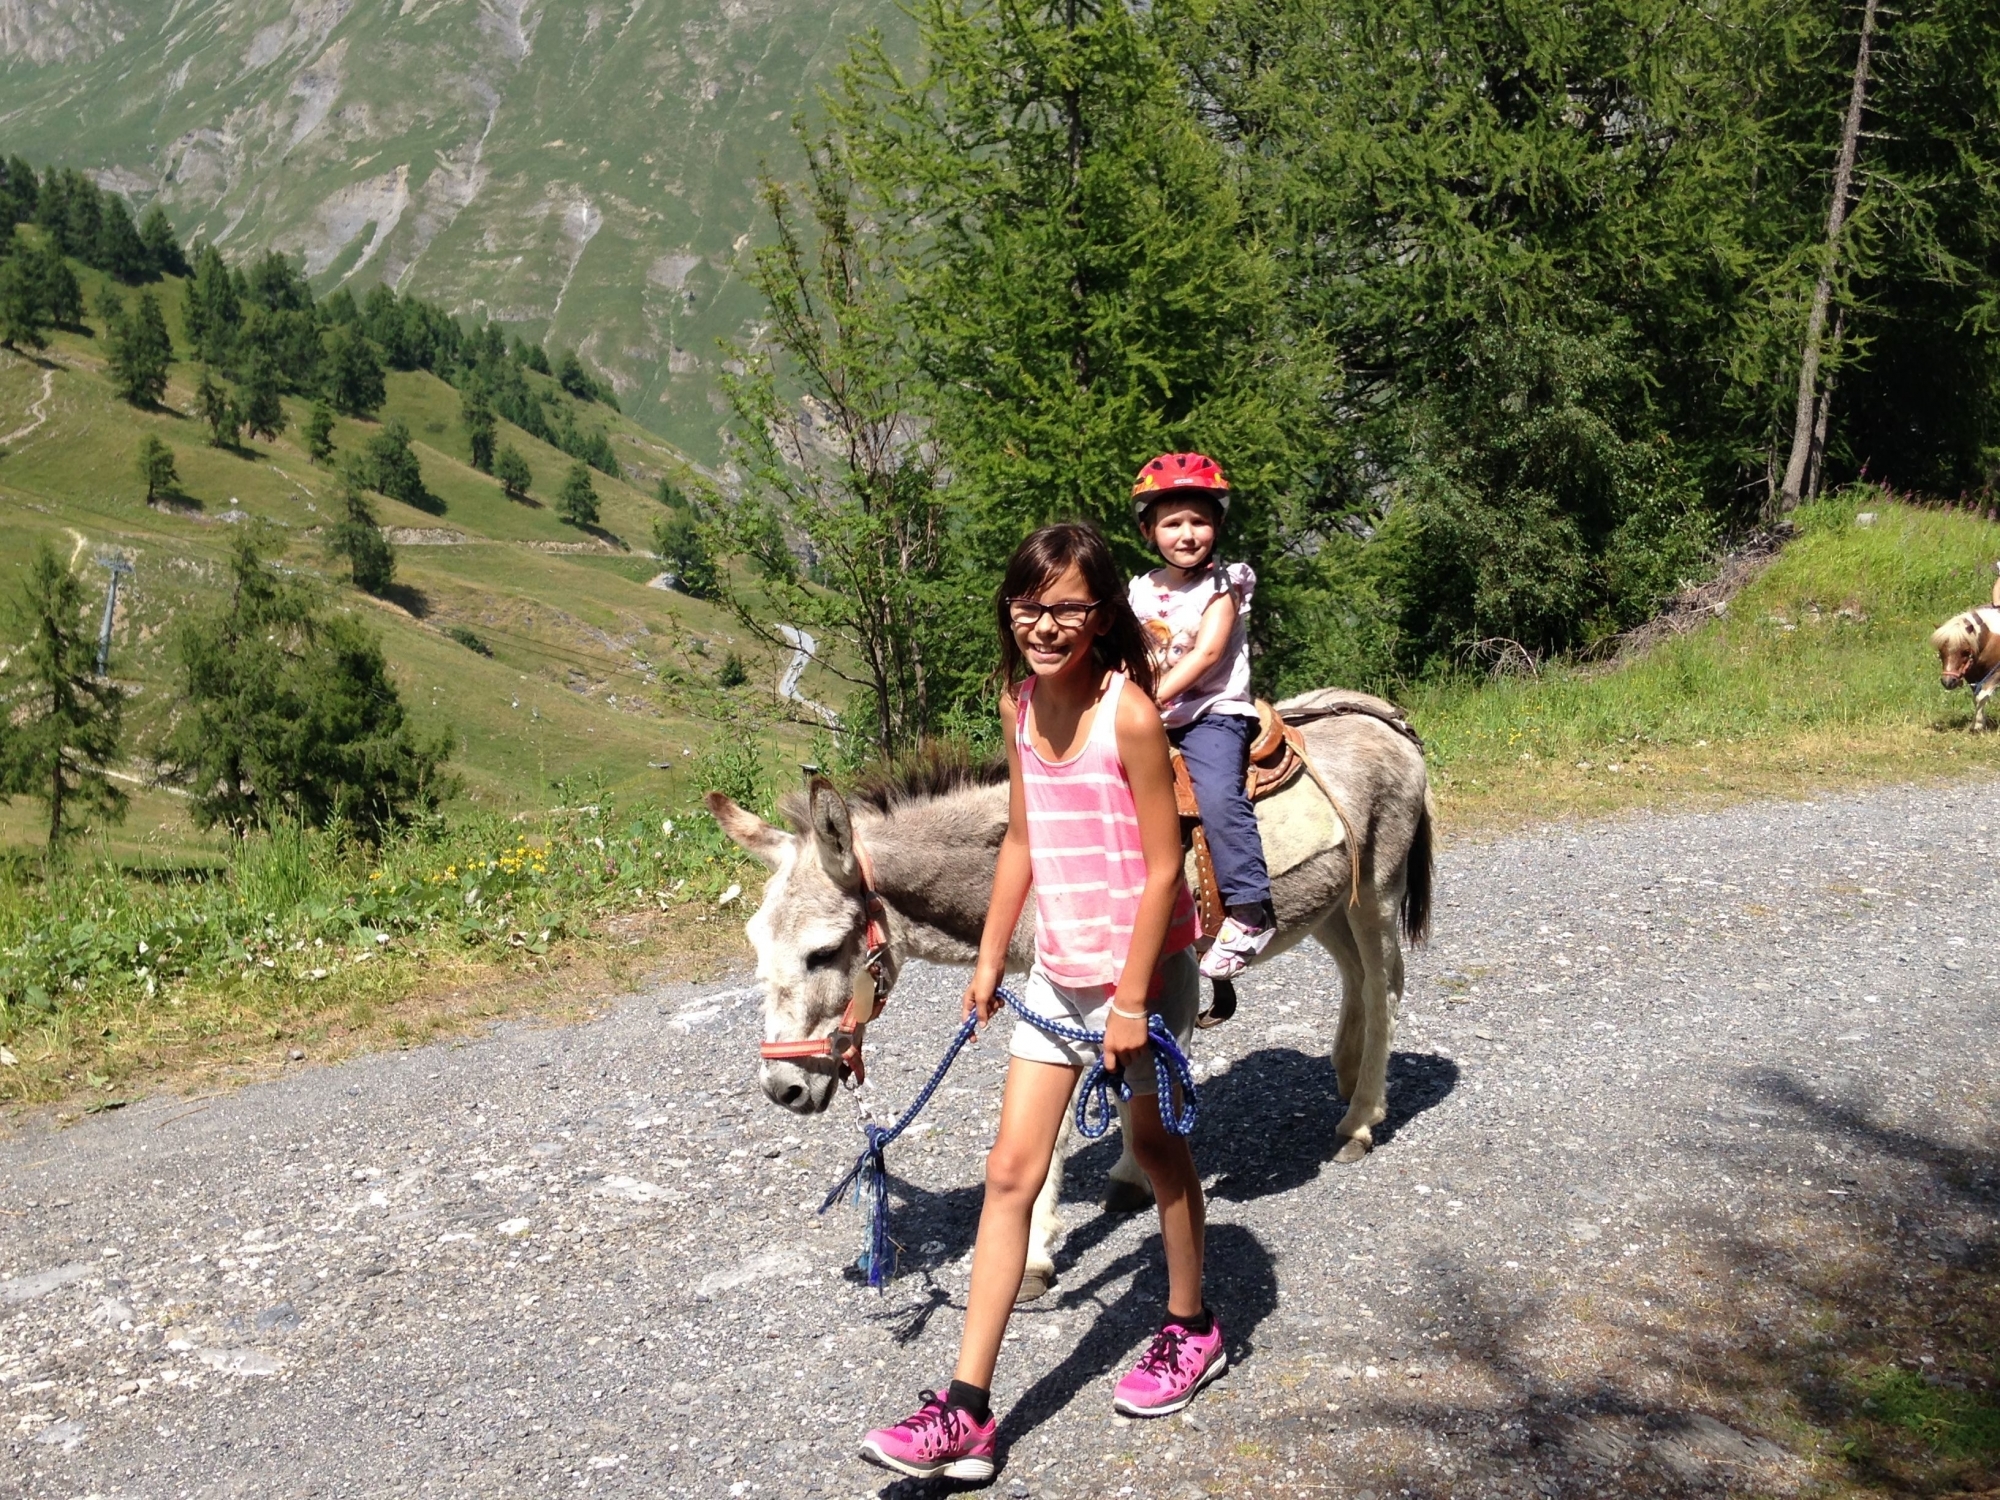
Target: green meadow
<point>1818,675</point>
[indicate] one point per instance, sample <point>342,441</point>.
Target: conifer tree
<point>61,297</point>
<point>289,712</point>
<point>20,192</point>
<point>476,412</point>
<point>22,316</point>
<point>140,350</point>
<point>357,536</point>
<point>215,406</point>
<point>678,540</point>
<point>390,466</point>
<point>354,382</point>
<point>577,501</point>
<point>1092,289</point>
<point>163,248</point>
<point>119,250</point>
<point>319,433</point>
<point>513,473</point>
<point>156,469</point>
<point>213,309</point>
<point>66,721</point>
<point>263,414</point>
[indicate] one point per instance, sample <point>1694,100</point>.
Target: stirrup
<point>1221,1004</point>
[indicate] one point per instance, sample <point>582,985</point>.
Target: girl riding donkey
<point>1092,825</point>
<point>1195,612</point>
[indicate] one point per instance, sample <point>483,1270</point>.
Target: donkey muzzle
<point>804,1088</point>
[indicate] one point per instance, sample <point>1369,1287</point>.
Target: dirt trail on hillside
<point>1685,1111</point>
<point>38,409</point>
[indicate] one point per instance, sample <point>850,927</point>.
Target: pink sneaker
<point>936,1439</point>
<point>1168,1374</point>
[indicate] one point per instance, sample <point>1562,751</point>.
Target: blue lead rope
<point>869,1176</point>
<point>1094,1110</point>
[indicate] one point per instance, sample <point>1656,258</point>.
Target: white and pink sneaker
<point>936,1439</point>
<point>1234,946</point>
<point>1179,1363</point>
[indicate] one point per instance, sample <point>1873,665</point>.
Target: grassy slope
<point>1820,674</point>
<point>570,631</point>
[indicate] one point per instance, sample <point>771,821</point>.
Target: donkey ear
<point>751,832</point>
<point>833,833</point>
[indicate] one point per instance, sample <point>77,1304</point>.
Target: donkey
<point>926,844</point>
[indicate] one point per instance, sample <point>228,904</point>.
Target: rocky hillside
<point>582,171</point>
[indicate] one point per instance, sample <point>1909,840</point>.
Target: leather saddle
<point>1277,759</point>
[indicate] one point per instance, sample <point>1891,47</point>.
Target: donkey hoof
<point>1127,1198</point>
<point>1035,1284</point>
<point>1353,1149</point>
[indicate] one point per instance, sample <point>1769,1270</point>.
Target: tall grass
<point>86,944</point>
<point>1823,659</point>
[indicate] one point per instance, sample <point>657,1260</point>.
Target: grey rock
<point>65,1435</point>
<point>36,1283</point>
<point>238,1361</point>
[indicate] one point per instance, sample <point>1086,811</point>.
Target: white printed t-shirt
<point>1170,614</point>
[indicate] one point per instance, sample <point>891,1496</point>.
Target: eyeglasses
<point>1069,613</point>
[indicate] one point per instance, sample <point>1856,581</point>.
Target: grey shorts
<point>1090,1008</point>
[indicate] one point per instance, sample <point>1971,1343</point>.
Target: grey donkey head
<point>808,933</point>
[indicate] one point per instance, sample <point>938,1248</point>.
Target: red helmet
<point>1178,471</point>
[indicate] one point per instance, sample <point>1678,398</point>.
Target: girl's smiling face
<point>1183,532</point>
<point>1049,644</point>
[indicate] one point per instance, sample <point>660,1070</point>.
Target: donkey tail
<point>1417,878</point>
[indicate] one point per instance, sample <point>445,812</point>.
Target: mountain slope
<point>591,672</point>
<point>581,171</point>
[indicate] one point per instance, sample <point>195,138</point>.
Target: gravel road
<point>1653,1078</point>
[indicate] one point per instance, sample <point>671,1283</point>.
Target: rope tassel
<point>869,1176</point>
<point>867,1181</point>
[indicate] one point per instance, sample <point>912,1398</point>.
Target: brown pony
<point>1968,648</point>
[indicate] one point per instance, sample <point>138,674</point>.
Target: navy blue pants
<point>1216,748</point>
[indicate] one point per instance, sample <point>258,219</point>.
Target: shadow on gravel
<point>1268,1123</point>
<point>1884,1333</point>
<point>1243,1288</point>
<point>1823,1319</point>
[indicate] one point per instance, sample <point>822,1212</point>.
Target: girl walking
<point>1092,826</point>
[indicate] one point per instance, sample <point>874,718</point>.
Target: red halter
<point>843,1043</point>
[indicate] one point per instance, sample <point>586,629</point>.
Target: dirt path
<point>1686,1109</point>
<point>38,409</point>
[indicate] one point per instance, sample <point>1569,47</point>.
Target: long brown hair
<point>1043,557</point>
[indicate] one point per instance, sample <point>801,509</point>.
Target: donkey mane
<point>934,772</point>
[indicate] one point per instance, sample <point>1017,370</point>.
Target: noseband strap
<point>843,1043</point>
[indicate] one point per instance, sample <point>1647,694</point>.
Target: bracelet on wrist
<point>1130,1015</point>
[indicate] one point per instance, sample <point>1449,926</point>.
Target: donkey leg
<point>1337,937</point>
<point>1381,999</point>
<point>1130,1192</point>
<point>1044,1224</point>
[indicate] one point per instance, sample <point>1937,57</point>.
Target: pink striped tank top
<point>1083,845</point>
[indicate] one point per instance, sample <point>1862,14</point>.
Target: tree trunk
<point>55,804</point>
<point>1073,118</point>
<point>1817,463</point>
<point>1836,220</point>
